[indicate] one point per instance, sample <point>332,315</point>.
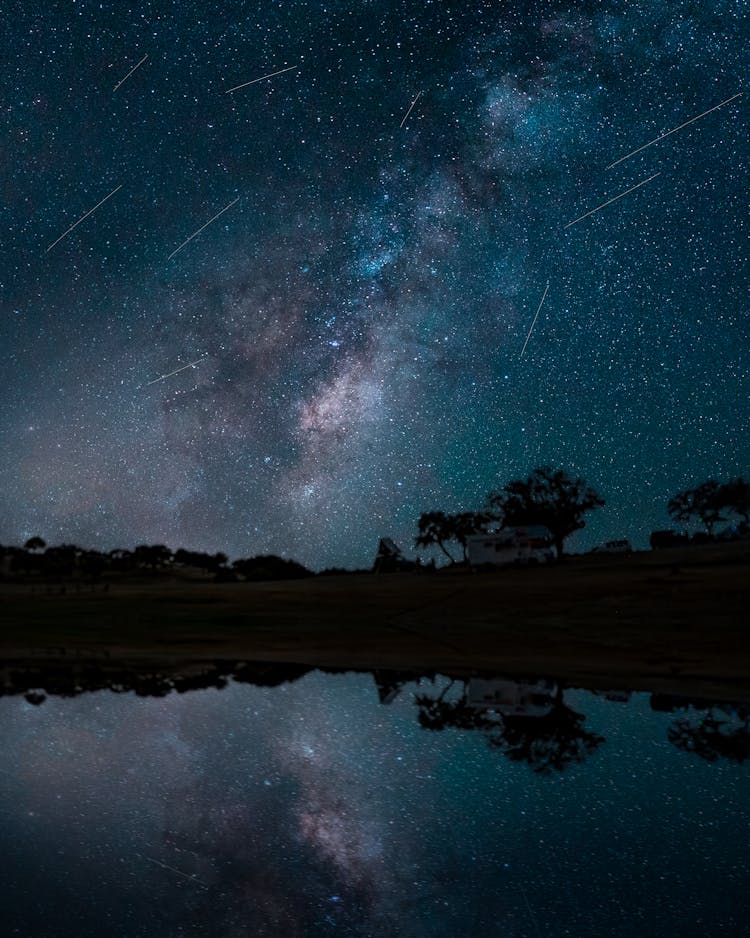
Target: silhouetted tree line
<point>548,497</point>
<point>68,561</point>
<point>73,678</point>
<point>558,501</point>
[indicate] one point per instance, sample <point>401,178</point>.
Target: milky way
<point>359,310</point>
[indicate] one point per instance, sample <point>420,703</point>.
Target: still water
<point>364,805</point>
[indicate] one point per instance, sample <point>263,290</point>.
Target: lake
<point>374,804</point>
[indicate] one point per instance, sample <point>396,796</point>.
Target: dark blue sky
<point>358,314</point>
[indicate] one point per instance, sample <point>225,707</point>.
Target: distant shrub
<point>661,539</point>
<point>270,567</point>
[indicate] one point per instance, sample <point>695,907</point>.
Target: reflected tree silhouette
<point>439,713</point>
<point>548,743</point>
<point>713,734</point>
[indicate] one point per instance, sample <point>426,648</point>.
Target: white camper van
<point>511,698</point>
<point>529,545</point>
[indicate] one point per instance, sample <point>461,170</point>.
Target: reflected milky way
<point>315,808</point>
<point>360,308</point>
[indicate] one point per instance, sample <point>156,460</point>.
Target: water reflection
<point>527,720</point>
<point>293,802</point>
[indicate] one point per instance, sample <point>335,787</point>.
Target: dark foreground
<point>673,621</point>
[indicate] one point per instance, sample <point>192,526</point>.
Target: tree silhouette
<point>548,743</point>
<point>35,544</point>
<point>61,560</point>
<point>121,559</point>
<point>547,497</point>
<point>703,502</point>
<point>712,734</point>
<point>735,495</point>
<point>152,555</point>
<point>437,528</point>
<point>659,539</point>
<point>270,567</point>
<point>439,713</point>
<point>466,524</point>
<point>210,563</point>
<point>93,563</point>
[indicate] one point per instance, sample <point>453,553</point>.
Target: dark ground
<point>672,621</point>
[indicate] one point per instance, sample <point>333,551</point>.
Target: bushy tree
<point>704,503</point>
<point>35,544</point>
<point>210,563</point>
<point>467,523</point>
<point>547,497</point>
<point>735,497</point>
<point>548,743</point>
<point>717,733</point>
<point>436,528</point>
<point>270,567</point>
<point>152,555</point>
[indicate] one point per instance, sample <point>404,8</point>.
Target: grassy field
<point>675,621</point>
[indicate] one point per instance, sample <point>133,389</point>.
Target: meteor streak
<point>82,218</point>
<point>130,72</point>
<point>262,78</point>
<point>201,228</point>
<point>610,201</point>
<point>674,130</point>
<point>410,109</point>
<point>177,370</point>
<point>174,869</point>
<point>544,297</point>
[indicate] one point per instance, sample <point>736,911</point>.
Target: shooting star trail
<point>174,869</point>
<point>674,130</point>
<point>176,371</point>
<point>544,297</point>
<point>82,218</point>
<point>411,106</point>
<point>130,72</point>
<point>610,201</point>
<point>262,78</point>
<point>531,911</point>
<point>201,228</point>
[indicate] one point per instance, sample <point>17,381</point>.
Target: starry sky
<point>312,809</point>
<point>396,205</point>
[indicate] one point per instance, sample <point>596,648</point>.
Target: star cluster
<point>358,314</point>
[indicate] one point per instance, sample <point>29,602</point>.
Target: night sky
<point>312,809</point>
<point>357,315</point>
